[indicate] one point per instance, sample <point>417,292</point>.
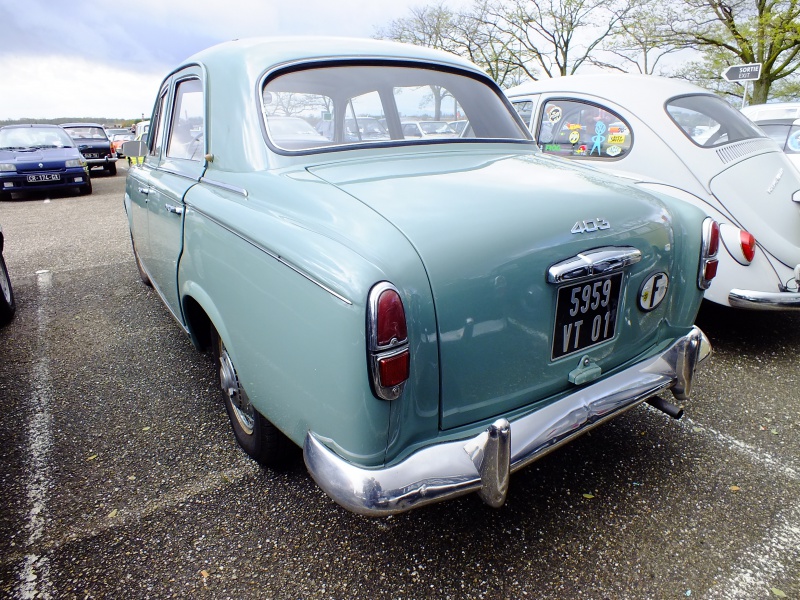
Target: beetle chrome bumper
<point>484,463</point>
<point>764,300</point>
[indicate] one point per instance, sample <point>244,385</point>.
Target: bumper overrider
<point>764,300</point>
<point>484,463</point>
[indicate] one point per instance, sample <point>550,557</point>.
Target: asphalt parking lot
<point>119,477</point>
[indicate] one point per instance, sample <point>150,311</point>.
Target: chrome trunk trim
<point>599,261</point>
<point>483,463</point>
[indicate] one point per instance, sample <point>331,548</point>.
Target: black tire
<point>112,168</point>
<point>5,196</point>
<point>139,267</point>
<point>7,304</point>
<point>259,438</point>
<point>86,189</point>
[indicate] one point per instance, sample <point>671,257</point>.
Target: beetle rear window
<point>333,107</point>
<point>710,121</point>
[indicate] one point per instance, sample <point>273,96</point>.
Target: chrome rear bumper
<point>764,300</point>
<point>484,463</point>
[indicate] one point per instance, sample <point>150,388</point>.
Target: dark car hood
<point>31,159</point>
<point>487,227</point>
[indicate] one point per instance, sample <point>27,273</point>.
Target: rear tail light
<point>387,338</point>
<point>740,244</point>
<point>708,254</point>
<point>748,244</point>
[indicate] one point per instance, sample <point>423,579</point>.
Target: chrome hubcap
<point>229,382</point>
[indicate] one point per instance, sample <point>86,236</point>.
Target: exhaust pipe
<point>676,412</point>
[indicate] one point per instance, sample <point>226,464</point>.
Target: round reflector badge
<point>653,291</point>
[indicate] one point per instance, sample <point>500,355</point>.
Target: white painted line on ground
<point>762,566</point>
<point>34,572</point>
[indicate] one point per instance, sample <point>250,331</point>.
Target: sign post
<point>746,73</point>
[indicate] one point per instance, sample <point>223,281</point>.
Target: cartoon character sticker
<point>574,137</point>
<point>598,138</point>
<point>554,116</point>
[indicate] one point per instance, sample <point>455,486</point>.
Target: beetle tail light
<point>748,245</point>
<point>387,337</point>
<point>708,254</point>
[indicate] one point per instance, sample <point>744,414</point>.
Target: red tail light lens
<point>389,356</point>
<point>748,245</point>
<point>391,318</point>
<point>708,254</point>
<point>394,370</point>
<point>711,269</point>
<point>713,242</point>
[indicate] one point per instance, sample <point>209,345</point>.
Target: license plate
<point>92,155</point>
<point>44,177</point>
<point>586,314</point>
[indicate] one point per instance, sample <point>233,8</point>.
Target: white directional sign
<point>749,72</point>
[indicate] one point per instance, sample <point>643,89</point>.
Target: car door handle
<point>176,210</point>
<point>144,191</point>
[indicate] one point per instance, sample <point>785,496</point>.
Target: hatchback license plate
<point>586,314</point>
<point>44,177</point>
<point>92,155</point>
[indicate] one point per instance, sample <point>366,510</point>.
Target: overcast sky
<point>88,59</point>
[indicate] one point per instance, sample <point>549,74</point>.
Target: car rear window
<point>331,107</point>
<point>709,121</point>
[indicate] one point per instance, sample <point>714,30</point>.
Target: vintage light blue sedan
<point>422,316</point>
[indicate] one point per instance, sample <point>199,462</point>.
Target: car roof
<point>649,88</point>
<point>82,125</point>
<point>19,125</point>
<point>263,52</point>
<point>784,121</point>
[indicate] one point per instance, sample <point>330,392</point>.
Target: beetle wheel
<point>259,438</point>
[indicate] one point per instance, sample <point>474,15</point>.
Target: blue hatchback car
<point>40,157</point>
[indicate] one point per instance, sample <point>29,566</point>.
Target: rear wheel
<point>259,438</point>
<point>112,168</point>
<point>7,305</point>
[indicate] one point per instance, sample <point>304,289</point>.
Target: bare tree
<point>472,34</point>
<point>641,40</point>
<point>558,35</point>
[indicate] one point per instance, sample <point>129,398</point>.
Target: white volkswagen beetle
<point>671,136</point>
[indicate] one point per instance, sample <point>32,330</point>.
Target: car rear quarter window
<point>709,121</point>
<point>578,129</point>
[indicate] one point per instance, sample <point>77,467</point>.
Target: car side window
<point>525,110</point>
<point>580,129</point>
<point>188,124</point>
<point>155,135</point>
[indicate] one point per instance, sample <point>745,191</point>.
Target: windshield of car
<point>87,133</point>
<point>371,104</point>
<point>34,138</point>
<point>710,121</point>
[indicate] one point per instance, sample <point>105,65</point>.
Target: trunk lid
<point>758,191</point>
<point>487,229</point>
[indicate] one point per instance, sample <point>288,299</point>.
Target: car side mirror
<point>134,149</point>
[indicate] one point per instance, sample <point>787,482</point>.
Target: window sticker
<point>613,150</point>
<point>554,116</point>
<point>598,138</point>
<point>616,138</point>
<point>574,137</point>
